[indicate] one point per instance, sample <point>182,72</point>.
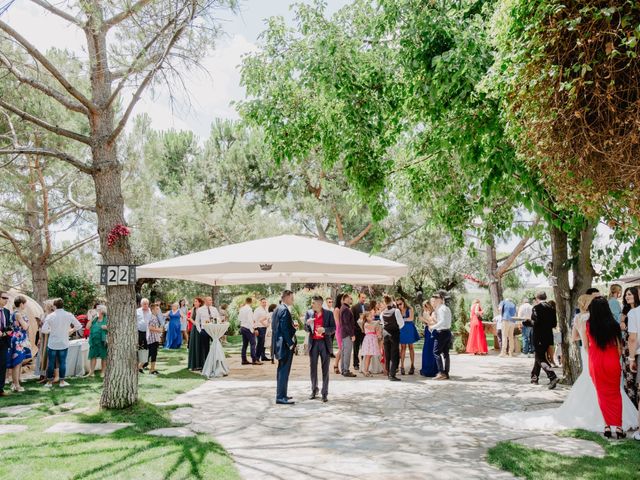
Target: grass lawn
<point>622,461</point>
<point>126,454</point>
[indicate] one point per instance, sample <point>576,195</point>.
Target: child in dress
<point>370,346</point>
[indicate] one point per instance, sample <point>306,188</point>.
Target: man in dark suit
<point>543,321</point>
<point>284,337</point>
<point>320,326</point>
<point>5,339</point>
<point>357,310</point>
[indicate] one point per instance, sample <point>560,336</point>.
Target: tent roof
<point>283,259</point>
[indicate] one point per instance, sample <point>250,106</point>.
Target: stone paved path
<point>371,428</point>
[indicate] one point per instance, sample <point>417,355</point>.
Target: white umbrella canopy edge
<point>267,260</point>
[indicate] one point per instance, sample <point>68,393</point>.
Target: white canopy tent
<point>283,259</point>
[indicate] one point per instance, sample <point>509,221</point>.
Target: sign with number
<point>112,275</point>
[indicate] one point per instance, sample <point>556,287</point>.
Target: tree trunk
<point>40,280</point>
<point>495,282</point>
<point>564,309</point>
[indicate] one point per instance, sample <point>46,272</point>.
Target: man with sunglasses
<point>5,338</point>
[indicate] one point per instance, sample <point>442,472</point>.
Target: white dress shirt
<point>443,318</point>
<point>261,317</point>
<point>245,317</point>
<point>204,314</point>
<point>525,311</point>
<point>142,318</point>
<point>57,325</point>
<point>633,325</point>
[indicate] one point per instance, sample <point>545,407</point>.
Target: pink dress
<point>370,345</point>
<point>336,317</point>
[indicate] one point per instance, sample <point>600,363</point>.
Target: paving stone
<point>172,432</point>
<point>87,428</point>
<point>569,447</point>
<point>19,409</point>
<point>12,429</point>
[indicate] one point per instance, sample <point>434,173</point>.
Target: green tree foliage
<point>78,293</point>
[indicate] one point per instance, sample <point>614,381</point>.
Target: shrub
<point>77,292</point>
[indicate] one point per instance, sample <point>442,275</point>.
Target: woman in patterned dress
<point>20,349</point>
<point>630,300</point>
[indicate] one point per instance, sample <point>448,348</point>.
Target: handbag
<point>143,356</point>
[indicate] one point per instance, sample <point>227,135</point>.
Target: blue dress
<point>429,365</point>
<point>20,348</point>
<point>409,332</point>
<point>174,336</point>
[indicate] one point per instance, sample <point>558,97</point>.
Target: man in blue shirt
<point>507,310</point>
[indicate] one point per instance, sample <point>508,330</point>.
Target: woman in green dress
<point>98,339</point>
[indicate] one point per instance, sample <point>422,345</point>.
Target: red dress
<point>605,370</point>
<point>477,342</point>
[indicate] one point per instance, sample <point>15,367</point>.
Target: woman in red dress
<point>477,343</point>
<point>605,347</point>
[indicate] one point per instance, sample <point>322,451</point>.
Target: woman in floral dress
<point>20,349</point>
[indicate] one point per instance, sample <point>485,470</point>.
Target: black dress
<point>196,358</point>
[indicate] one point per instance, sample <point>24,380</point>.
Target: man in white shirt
<point>206,314</point>
<point>261,322</point>
<point>143,315</point>
<point>524,313</point>
<point>248,332</point>
<point>443,337</point>
<point>392,322</point>
<point>58,325</point>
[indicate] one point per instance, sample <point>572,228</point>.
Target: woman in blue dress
<point>20,348</point>
<point>174,335</point>
<point>429,365</point>
<point>408,335</point>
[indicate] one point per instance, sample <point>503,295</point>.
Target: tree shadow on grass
<point>622,460</point>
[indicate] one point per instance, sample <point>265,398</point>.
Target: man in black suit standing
<point>357,310</point>
<point>284,338</point>
<point>543,320</point>
<point>5,338</point>
<point>320,326</point>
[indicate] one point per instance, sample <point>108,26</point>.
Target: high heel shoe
<point>412,370</point>
<point>401,370</point>
<point>607,432</point>
<point>336,370</point>
<point>620,434</point>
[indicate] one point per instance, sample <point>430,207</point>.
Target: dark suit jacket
<point>356,310</point>
<point>5,341</point>
<point>328,323</point>
<point>284,335</point>
<point>544,321</point>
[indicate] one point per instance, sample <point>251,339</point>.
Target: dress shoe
<point>553,383</point>
<point>348,374</point>
<point>313,395</point>
<point>325,399</point>
<point>285,402</point>
<point>265,359</point>
<point>394,379</point>
<point>256,363</point>
<point>246,363</point>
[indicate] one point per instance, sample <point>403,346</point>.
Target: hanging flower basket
<point>117,233</point>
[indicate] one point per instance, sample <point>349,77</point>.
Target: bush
<point>77,292</point>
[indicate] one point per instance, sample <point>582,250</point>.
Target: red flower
<point>74,294</point>
<point>116,233</point>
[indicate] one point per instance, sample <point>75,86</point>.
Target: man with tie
<point>284,338</point>
<point>5,339</point>
<point>358,309</point>
<point>320,326</point>
<point>206,314</point>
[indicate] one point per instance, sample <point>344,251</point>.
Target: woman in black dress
<point>196,358</point>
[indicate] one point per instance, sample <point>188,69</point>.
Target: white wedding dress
<point>579,410</point>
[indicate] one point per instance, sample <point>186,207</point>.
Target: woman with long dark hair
<point>337,304</point>
<point>196,355</point>
<point>630,301</point>
<point>605,347</point>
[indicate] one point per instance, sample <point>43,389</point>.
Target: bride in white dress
<point>580,409</point>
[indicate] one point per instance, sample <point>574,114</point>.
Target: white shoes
<point>636,436</point>
<point>63,384</point>
<point>48,385</point>
<point>17,389</point>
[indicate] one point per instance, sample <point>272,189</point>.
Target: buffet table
<point>77,359</point>
<point>215,365</point>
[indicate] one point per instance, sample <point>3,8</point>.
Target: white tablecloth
<point>77,359</point>
<point>215,365</point>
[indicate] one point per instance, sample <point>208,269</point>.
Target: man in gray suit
<point>320,325</point>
